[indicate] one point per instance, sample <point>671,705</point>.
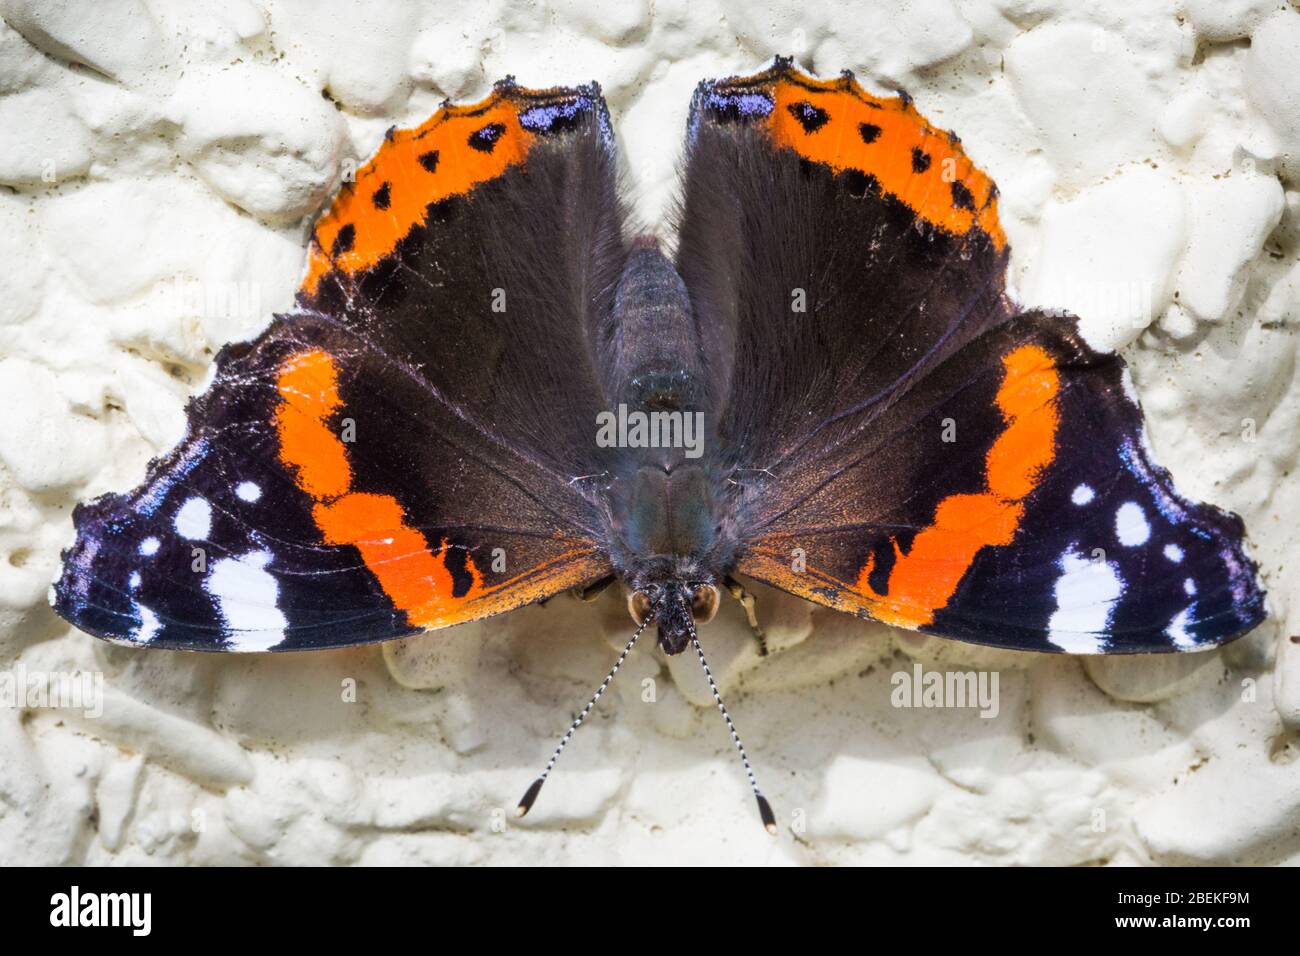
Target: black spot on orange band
<point>923,167</point>
<point>485,139</point>
<point>414,170</point>
<point>961,197</point>
<point>343,240</point>
<point>810,117</point>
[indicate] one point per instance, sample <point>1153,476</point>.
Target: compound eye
<point>638,605</point>
<point>704,603</point>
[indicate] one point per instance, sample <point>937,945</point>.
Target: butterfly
<point>489,393</point>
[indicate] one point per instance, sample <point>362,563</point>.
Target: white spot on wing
<point>1083,494</point>
<point>1131,525</point>
<point>1174,553</point>
<point>248,491</point>
<point>1177,630</point>
<point>247,597</point>
<point>1189,586</point>
<point>149,547</point>
<point>194,520</point>
<point>149,625</point>
<point>1085,592</point>
<point>134,580</point>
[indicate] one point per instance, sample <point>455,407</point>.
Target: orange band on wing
<point>309,395</point>
<point>415,577</point>
<point>454,150</point>
<point>838,123</point>
<point>925,579</point>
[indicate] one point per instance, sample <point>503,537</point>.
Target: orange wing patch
<point>416,578</point>
<point>453,151</point>
<point>925,579</point>
<point>309,395</point>
<point>839,124</point>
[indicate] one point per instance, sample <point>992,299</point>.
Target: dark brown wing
<point>902,444</point>
<point>406,450</point>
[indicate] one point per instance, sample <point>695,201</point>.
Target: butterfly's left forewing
<point>402,452</point>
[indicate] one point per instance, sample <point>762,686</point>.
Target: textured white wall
<point>157,158</point>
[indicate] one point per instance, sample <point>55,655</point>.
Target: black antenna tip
<point>764,811</point>
<point>526,803</point>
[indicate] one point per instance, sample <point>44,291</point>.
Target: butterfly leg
<point>737,590</point>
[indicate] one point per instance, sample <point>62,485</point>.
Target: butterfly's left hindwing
<point>1010,498</point>
<point>399,454</point>
<point>900,443</point>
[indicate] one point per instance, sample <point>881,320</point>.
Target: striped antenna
<point>530,796</point>
<point>764,808</point>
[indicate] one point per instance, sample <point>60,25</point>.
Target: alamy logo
<point>35,689</point>
<point>103,909</point>
<point>940,689</point>
<point>638,429</point>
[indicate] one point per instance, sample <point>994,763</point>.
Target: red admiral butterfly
<point>487,395</point>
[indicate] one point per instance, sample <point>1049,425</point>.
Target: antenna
<point>526,803</point>
<point>764,808</point>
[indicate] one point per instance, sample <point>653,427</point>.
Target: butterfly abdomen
<point>652,359</point>
<point>664,500</point>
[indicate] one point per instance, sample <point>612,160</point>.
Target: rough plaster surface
<point>159,161</point>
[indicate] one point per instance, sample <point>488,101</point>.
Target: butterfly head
<point>676,607</point>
